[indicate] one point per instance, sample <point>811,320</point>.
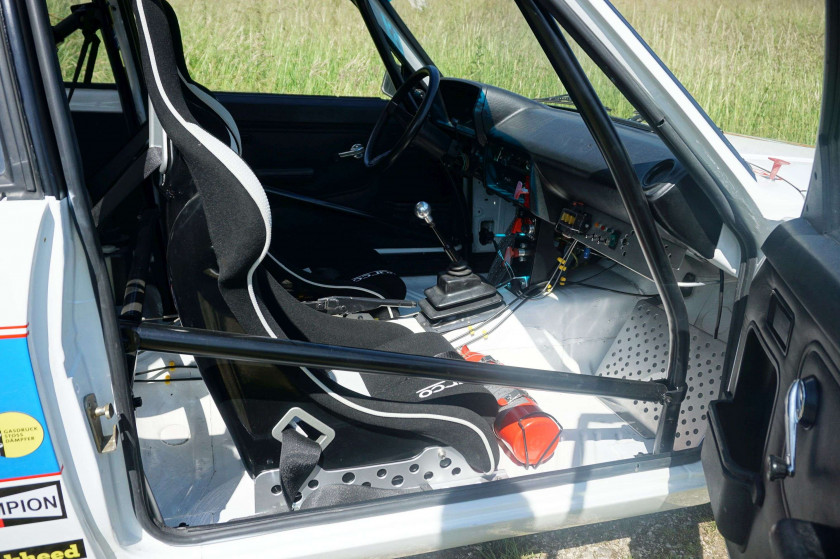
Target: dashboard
<point>544,161</point>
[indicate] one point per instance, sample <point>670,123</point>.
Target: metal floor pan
<point>640,352</point>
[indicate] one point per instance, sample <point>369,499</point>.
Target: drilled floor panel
<point>640,352</point>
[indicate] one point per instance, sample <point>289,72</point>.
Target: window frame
<point>122,59</point>
<point>385,45</point>
<point>19,150</point>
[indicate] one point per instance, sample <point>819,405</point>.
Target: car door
<point>772,459</point>
<point>293,143</point>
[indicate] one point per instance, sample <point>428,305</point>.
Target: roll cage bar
<point>602,128</point>
<point>90,18</point>
<point>261,349</point>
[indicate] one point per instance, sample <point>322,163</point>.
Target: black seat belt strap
<point>108,174</point>
<point>298,457</point>
<point>339,305</point>
<point>133,176</point>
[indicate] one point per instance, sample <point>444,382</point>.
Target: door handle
<point>357,151</point>
<point>801,405</point>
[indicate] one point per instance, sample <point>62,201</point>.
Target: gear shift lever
<point>458,293</point>
<point>423,211</point>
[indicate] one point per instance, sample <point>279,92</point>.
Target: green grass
<point>754,65</point>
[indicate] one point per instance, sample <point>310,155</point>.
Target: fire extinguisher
<point>528,435</point>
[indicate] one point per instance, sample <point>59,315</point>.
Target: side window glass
<point>315,47</point>
<point>755,67</point>
<point>17,180</point>
<point>488,42</point>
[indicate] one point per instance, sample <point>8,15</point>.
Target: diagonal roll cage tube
<point>259,349</point>
<point>539,14</point>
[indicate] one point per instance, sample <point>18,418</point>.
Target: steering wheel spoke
<point>399,107</point>
<point>391,108</point>
<point>415,98</point>
<point>403,115</point>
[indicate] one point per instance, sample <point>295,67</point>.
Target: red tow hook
<point>777,164</point>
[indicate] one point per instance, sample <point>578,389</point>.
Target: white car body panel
<point>783,197</point>
<point>758,151</point>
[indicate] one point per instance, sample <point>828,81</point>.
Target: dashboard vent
<point>658,173</point>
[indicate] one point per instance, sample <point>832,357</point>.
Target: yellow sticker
<point>20,434</point>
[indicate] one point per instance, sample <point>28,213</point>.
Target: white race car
<point>246,325</point>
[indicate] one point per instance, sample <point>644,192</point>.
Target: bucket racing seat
<point>300,428</point>
<point>363,273</point>
<point>223,278</point>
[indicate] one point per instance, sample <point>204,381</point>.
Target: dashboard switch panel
<point>612,237</point>
<point>573,220</point>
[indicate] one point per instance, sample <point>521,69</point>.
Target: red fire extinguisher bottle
<point>527,434</point>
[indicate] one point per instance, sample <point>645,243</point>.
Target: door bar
<point>258,349</point>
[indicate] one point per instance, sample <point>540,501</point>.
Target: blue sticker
<point>25,446</point>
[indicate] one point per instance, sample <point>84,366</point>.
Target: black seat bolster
<point>304,323</point>
<point>409,393</point>
<point>318,327</point>
<point>238,222</point>
<point>450,425</point>
<point>363,275</point>
<point>418,390</point>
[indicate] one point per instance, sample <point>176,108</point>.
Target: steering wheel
<point>412,122</point>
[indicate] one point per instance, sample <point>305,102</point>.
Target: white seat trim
<point>220,110</point>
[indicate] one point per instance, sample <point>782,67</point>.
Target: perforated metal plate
<point>435,466</point>
<point>640,352</point>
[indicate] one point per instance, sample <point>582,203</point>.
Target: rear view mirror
<point>388,87</point>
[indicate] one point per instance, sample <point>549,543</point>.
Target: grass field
<point>754,65</point>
